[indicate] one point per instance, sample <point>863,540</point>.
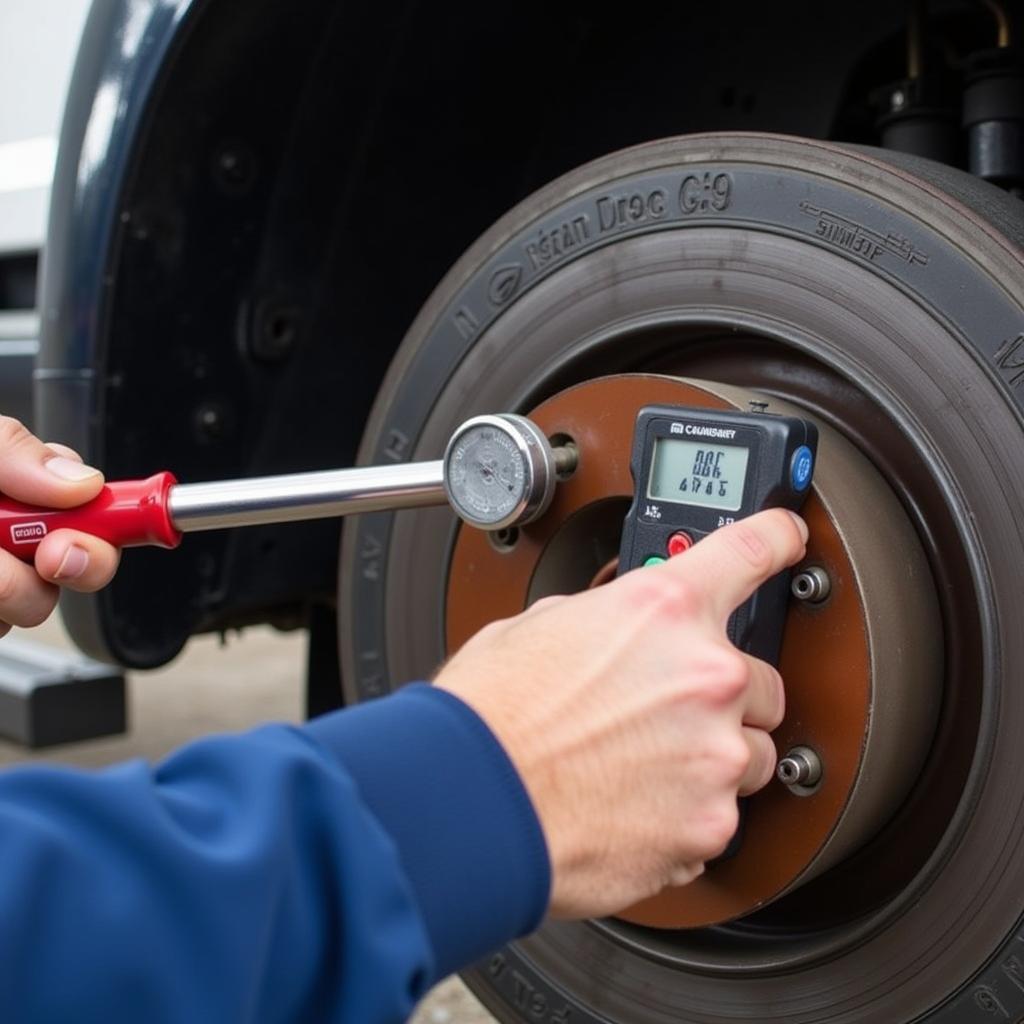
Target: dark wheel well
<point>302,178</point>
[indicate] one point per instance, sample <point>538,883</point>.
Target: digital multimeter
<point>695,470</point>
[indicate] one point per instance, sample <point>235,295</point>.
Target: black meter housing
<point>695,470</point>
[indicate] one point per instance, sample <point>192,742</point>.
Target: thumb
<point>38,474</point>
<point>728,565</point>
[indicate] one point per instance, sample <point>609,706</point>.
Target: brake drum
<point>862,667</point>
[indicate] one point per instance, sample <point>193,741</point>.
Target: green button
<point>654,560</point>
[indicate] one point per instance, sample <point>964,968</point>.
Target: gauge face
<point>486,474</point>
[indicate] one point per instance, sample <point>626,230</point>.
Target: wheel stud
<point>801,767</point>
<point>811,584</point>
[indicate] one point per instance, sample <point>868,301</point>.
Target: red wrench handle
<point>128,513</point>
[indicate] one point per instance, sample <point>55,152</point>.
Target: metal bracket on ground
<point>50,696</point>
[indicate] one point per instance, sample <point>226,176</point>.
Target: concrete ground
<point>215,687</point>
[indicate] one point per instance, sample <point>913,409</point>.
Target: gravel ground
<point>215,687</point>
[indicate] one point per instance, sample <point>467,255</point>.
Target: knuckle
<point>749,545</point>
<point>662,591</point>
<point>734,666</point>
<point>36,613</point>
<point>720,826</point>
<point>641,594</point>
<point>19,605</point>
<point>769,758</point>
<point>787,523</point>
<point>12,432</point>
<point>728,676</point>
<point>779,696</point>
<point>684,874</point>
<point>734,758</point>
<point>9,584</point>
<point>677,596</point>
<point>643,590</point>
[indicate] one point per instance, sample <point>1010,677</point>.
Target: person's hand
<point>55,477</point>
<point>632,720</point>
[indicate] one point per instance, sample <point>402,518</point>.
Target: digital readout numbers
<point>706,475</point>
<point>693,473</point>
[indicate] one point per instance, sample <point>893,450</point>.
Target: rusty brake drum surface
<point>862,667</point>
<point>882,296</point>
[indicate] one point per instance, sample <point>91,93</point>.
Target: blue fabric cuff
<point>468,837</point>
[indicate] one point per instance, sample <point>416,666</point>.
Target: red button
<point>678,543</point>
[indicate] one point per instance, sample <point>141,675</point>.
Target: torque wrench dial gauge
<point>499,471</point>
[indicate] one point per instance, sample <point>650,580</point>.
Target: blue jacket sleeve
<point>329,872</point>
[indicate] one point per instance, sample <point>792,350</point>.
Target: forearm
<point>331,872</point>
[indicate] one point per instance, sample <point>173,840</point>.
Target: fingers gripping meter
<point>695,470</point>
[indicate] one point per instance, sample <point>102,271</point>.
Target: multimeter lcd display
<point>698,473</point>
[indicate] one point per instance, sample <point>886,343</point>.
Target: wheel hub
<point>858,694</point>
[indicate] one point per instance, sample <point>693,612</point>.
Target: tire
<point>883,293</point>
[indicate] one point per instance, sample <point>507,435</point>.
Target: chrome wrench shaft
<point>300,496</point>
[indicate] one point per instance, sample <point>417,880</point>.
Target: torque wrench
<point>497,471</point>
